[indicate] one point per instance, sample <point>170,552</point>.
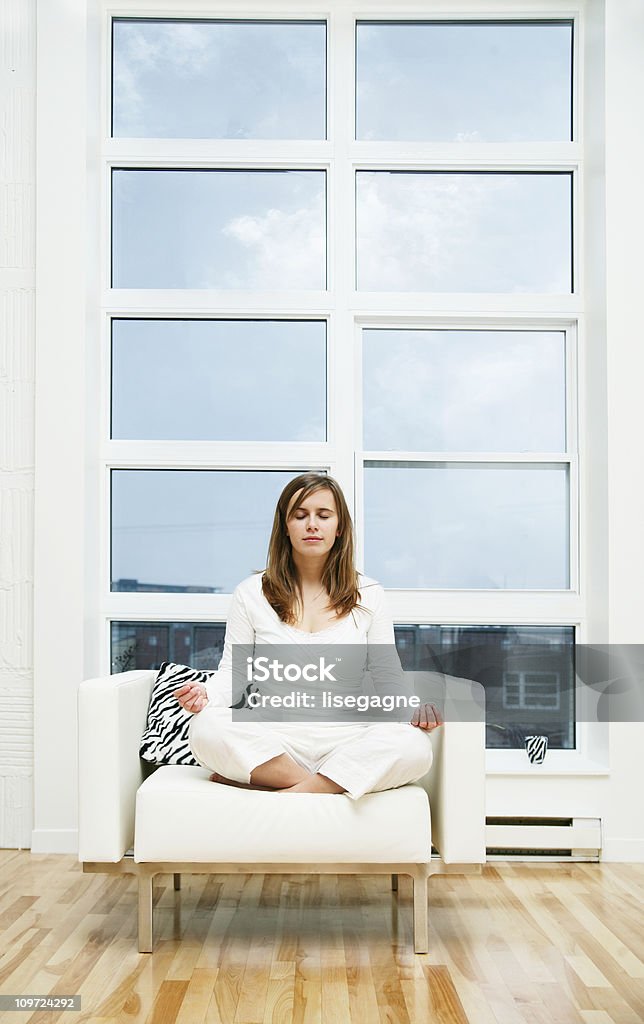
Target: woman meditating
<point>309,593</point>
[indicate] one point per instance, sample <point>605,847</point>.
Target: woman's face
<point>312,524</point>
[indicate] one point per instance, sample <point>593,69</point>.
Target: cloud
<point>180,47</point>
<point>462,232</point>
<point>457,390</point>
<point>285,249</point>
<point>218,79</point>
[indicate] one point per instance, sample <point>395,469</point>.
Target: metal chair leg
<point>145,912</point>
<point>421,937</point>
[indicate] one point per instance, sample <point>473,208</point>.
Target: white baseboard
<point>54,840</point>
<point>623,850</point>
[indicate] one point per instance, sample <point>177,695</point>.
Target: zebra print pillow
<point>165,740</point>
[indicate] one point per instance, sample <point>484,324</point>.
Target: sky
<point>267,80</point>
<point>215,380</point>
<point>426,525</point>
<point>476,526</point>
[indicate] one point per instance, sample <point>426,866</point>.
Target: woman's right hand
<point>192,697</point>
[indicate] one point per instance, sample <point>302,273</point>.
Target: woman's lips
<point>311,540</point>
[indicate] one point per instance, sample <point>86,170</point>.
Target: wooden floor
<point>545,943</point>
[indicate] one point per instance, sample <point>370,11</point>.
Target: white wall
<point>61,326</point>
<point>624,814</point>
<point>17,336</point>
<point>614,796</point>
<point>63,255</point>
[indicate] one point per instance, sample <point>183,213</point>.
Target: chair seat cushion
<point>182,816</point>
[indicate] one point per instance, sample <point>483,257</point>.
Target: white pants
<point>360,758</point>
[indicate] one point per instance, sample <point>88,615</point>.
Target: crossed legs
<point>284,775</point>
<point>324,758</point>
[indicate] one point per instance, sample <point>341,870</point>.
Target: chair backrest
<point>456,782</point>
<point>112,713</point>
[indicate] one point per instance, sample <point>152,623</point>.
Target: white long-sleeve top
<point>252,621</point>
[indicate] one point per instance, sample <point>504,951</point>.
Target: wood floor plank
<point>145,982</point>
<point>605,931</point>
<point>114,984</point>
<point>611,877</point>
<point>212,951</point>
<point>630,989</point>
<point>194,927</point>
<point>6,856</point>
<point>457,926</point>
<point>111,980</point>
<point>363,1004</point>
<point>588,973</point>
<point>197,997</point>
<point>21,958</point>
<point>65,977</point>
<point>168,1002</point>
<point>519,944</point>
<point>227,991</point>
<point>626,917</point>
<point>596,1017</point>
<point>610,1002</point>
<point>447,1006</point>
<point>15,910</point>
<point>255,980</point>
<point>609,955</point>
<point>307,1002</point>
<point>335,991</point>
<point>418,1000</point>
<point>279,1002</point>
<point>475,1005</point>
<point>502,1005</point>
<point>210,894</point>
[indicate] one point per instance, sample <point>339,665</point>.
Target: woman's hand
<point>427,716</point>
<point>192,697</point>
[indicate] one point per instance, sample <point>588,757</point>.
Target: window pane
<point>464,232</point>
<point>219,79</point>
<point>206,380</point>
<point>219,229</point>
<point>465,82</point>
<point>459,391</point>
<point>148,644</point>
<point>190,530</point>
<point>528,673</point>
<point>467,526</point>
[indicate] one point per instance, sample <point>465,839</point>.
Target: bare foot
<point>222,780</point>
<point>314,784</point>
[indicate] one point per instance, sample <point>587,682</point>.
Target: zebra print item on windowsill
<point>536,748</point>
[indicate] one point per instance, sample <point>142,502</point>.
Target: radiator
<point>543,838</point>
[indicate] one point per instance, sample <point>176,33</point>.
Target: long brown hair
<point>281,581</point>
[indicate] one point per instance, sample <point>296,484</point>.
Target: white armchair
<point>176,821</point>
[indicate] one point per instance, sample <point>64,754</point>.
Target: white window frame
<point>347,312</point>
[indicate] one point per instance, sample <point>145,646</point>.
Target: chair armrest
<point>112,712</point>
<point>456,782</point>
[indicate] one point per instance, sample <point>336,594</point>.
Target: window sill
<point>557,762</point>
